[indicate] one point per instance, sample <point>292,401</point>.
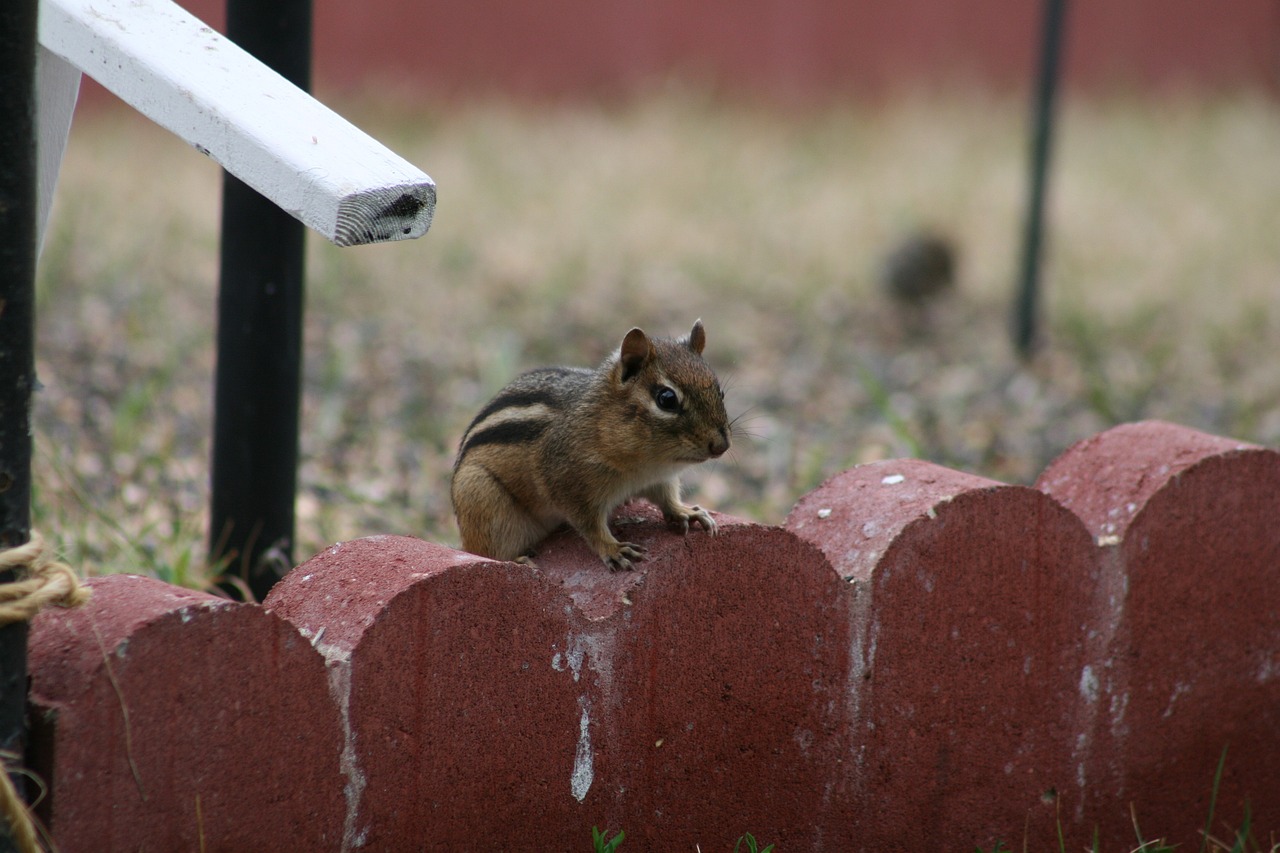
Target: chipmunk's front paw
<point>690,514</point>
<point>619,558</point>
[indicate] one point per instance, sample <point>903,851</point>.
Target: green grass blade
<point>1244,836</point>
<point>1213,801</point>
<point>880,398</point>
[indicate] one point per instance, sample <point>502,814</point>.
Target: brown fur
<point>570,444</point>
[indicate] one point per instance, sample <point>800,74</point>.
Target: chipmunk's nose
<point>718,445</point>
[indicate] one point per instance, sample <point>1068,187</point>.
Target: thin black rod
<point>259,370</point>
<point>17,344</point>
<point>1026,307</point>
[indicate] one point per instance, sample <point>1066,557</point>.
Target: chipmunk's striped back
<point>522,411</point>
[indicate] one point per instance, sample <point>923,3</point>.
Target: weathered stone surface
<point>970,614</point>
<point>1106,479</point>
<point>166,719</point>
<point>492,703</point>
<point>919,658</point>
<point>1191,529</point>
<point>715,678</point>
<point>462,733</point>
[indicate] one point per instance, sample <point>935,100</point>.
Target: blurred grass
<point>560,226</point>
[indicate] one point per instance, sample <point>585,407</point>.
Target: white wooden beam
<point>57,87</point>
<point>188,78</point>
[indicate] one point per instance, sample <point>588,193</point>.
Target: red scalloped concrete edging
<point>1189,528</point>
<point>970,604</point>
<point>917,658</point>
<point>167,719</point>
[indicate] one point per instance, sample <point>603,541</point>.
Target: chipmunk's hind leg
<point>493,523</point>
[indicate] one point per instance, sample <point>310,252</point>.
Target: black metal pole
<point>17,344</point>
<point>257,387</point>
<point>1026,307</point>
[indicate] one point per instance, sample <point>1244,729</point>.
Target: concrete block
<point>917,657</point>
<point>460,731</point>
<point>166,719</point>
<point>1190,534</point>
<point>501,706</point>
<point>716,672</point>
<point>970,618</point>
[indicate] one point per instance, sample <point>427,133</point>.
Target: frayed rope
<point>22,827</point>
<point>43,581</point>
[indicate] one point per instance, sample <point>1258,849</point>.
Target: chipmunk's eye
<point>666,399</point>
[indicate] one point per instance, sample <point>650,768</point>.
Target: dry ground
<point>560,226</point>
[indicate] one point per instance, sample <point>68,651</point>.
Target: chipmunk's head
<point>675,394</point>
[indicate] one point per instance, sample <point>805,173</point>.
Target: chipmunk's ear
<point>698,337</point>
<point>635,352</point>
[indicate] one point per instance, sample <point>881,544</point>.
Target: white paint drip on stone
<point>583,769</point>
<point>1103,684</point>
<point>1090,691</point>
<point>1089,684</point>
<point>803,739</point>
<point>596,652</point>
<point>1179,689</point>
<point>1119,704</point>
<point>576,654</point>
<point>1268,670</point>
<point>187,613</point>
<point>338,664</point>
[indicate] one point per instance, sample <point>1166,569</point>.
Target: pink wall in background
<point>778,48</point>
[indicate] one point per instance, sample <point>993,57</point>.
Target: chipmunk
<point>570,444</point>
